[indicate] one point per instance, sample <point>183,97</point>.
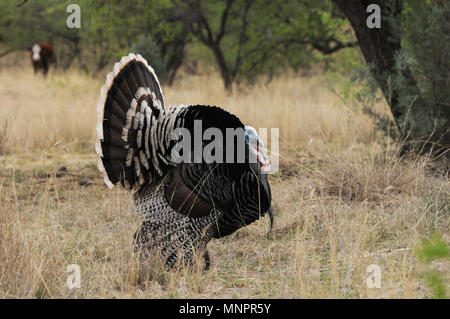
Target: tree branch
<point>328,49</point>
<point>242,37</point>
<point>22,4</point>
<point>8,52</point>
<point>223,20</point>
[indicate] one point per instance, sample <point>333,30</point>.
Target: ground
<point>342,198</point>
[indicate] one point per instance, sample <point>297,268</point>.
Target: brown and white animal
<point>41,56</point>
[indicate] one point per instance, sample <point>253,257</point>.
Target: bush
<point>435,249</point>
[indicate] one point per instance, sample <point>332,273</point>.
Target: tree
<point>199,14</point>
<point>422,122</point>
<point>115,27</point>
<point>252,37</point>
<point>171,33</point>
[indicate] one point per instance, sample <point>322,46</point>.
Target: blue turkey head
<point>257,148</point>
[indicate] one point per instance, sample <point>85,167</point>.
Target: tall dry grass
<point>343,200</point>
<point>39,114</point>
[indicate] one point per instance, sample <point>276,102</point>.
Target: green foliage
<point>423,69</point>
<point>360,92</point>
<point>36,21</point>
<point>148,48</point>
<point>426,47</point>
<point>113,28</point>
<point>109,30</point>
<point>436,283</point>
<point>431,250</point>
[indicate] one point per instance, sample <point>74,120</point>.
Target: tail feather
<point>129,118</point>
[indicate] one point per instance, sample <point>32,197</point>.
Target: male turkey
<point>185,203</point>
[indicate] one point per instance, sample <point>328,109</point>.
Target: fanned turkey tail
<point>130,119</point>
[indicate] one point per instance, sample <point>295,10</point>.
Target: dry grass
<point>342,200</point>
<point>60,112</point>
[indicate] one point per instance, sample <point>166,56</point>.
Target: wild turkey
<point>185,204</point>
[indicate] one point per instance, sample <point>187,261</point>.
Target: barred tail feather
<point>130,110</point>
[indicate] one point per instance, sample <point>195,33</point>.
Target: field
<point>342,199</point>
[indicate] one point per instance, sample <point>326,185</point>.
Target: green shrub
<point>430,250</point>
